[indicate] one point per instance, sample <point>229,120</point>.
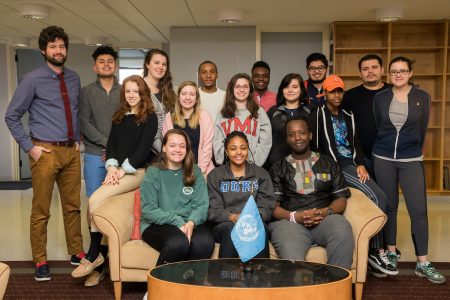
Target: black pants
<point>174,246</point>
<point>222,235</point>
<point>411,177</point>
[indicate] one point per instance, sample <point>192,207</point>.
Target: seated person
<point>174,202</point>
<point>310,198</point>
<point>335,134</point>
<point>229,188</point>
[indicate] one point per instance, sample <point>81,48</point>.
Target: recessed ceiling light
<point>34,11</point>
<point>389,14</point>
<point>95,41</point>
<point>230,15</point>
<point>20,42</point>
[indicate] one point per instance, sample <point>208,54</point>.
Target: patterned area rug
<point>63,286</point>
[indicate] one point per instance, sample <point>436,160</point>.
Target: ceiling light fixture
<point>95,41</point>
<point>230,16</point>
<point>20,42</point>
<point>389,14</point>
<point>34,11</point>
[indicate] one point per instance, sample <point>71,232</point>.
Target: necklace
<point>175,172</point>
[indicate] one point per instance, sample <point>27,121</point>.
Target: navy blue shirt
<point>39,93</point>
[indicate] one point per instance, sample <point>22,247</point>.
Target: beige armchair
<point>4,276</point>
<point>130,260</point>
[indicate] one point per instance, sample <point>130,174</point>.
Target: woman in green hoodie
<point>174,202</point>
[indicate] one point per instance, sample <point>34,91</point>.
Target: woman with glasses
<point>335,134</point>
<point>241,113</point>
<point>401,114</point>
<point>292,101</point>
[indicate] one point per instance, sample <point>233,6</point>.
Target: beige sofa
<point>4,276</point>
<point>130,260</point>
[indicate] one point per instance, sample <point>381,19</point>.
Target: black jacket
<point>409,140</point>
<point>329,184</point>
<point>323,134</point>
<point>278,117</point>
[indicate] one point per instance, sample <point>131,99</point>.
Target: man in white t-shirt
<point>211,97</point>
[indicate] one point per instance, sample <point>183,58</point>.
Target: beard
<point>301,151</point>
<point>55,62</point>
<point>316,81</point>
<point>106,76</point>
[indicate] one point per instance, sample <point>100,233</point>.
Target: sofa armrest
<point>114,218</point>
<point>366,220</point>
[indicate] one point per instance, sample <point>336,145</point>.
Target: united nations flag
<point>248,234</point>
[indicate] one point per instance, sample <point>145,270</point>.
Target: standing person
<point>241,113</point>
<point>311,197</point>
<point>196,122</point>
<point>128,152</point>
<point>292,101</point>
<point>174,201</point>
<point>229,188</point>
<point>359,100</point>
<point>50,95</point>
<point>99,101</point>
<point>261,79</point>
<point>401,115</point>
<point>158,78</point>
<point>212,97</point>
<point>335,134</point>
<point>317,66</point>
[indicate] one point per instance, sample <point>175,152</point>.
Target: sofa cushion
<point>137,211</point>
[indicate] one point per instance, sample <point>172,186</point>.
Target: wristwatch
<point>329,210</point>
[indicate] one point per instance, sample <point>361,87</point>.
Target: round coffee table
<point>227,279</point>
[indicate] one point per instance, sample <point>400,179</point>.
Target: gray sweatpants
<point>411,177</point>
<point>292,241</point>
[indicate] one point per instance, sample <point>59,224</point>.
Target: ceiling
<point>142,23</point>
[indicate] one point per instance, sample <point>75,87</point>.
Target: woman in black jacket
<point>292,101</point>
<point>401,115</point>
<point>335,134</point>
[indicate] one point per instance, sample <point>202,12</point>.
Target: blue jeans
<point>94,172</point>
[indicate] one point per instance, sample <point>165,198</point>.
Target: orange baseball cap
<point>333,82</point>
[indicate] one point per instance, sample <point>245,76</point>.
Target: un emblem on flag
<point>247,228</point>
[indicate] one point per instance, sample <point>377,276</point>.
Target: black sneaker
<point>75,259</point>
<point>375,273</point>
<point>42,273</point>
<point>378,260</point>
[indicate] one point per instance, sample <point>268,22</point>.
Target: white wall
<point>7,148</point>
<point>233,49</point>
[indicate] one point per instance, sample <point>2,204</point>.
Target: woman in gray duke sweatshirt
<point>241,113</point>
<point>230,186</point>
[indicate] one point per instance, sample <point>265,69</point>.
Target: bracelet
<point>292,217</point>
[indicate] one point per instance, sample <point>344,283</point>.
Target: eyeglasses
<point>319,68</point>
<point>241,87</point>
<point>402,72</point>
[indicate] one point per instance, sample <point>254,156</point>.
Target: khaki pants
<point>63,166</point>
<point>126,184</point>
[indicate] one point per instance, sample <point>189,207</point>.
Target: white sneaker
<point>145,296</point>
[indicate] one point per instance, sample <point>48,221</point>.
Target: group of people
<point>199,154</point>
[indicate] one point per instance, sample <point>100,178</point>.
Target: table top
<point>264,273</point>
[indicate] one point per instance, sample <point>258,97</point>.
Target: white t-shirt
<point>212,102</point>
